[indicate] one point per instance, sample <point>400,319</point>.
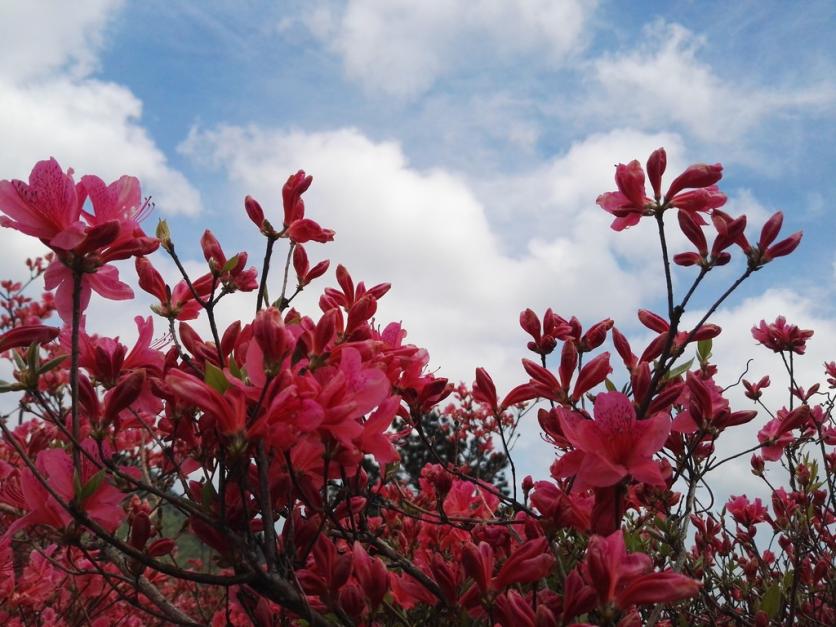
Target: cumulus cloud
<point>663,82</point>
<point>37,38</point>
<point>52,106</point>
<point>460,275</point>
<point>456,285</point>
<point>401,48</point>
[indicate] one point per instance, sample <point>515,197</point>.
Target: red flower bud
<point>596,335</point>
<point>784,247</point>
<point>693,232</point>
<point>161,547</point>
<point>212,251</point>
<point>26,335</point>
<point>656,165</point>
<point>254,211</point>
<point>653,321</point>
<point>140,530</point>
<point>770,230</point>
<point>695,176</point>
<point>592,374</point>
<point>630,181</point>
<point>484,390</point>
<point>530,323</point>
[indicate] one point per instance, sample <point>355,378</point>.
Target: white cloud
<point>459,282</point>
<point>37,38</point>
<point>52,107</point>
<point>663,82</point>
<point>401,48</point>
<point>456,289</point>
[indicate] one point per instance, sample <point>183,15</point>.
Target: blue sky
<point>457,147</point>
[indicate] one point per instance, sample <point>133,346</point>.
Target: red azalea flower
<point>626,579</point>
<point>613,445</point>
<point>780,336</point>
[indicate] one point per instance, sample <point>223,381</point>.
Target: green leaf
<point>771,600</point>
<point>208,495</point>
<point>704,350</point>
<point>215,378</point>
<point>235,370</point>
<point>32,357</point>
<point>5,386</point>
<point>51,364</point>
<point>679,370</point>
<point>230,263</point>
<point>609,385</point>
<point>19,363</point>
<point>91,486</point>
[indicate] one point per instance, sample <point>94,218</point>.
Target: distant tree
<point>464,434</point>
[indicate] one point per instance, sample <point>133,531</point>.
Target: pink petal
<point>105,282</point>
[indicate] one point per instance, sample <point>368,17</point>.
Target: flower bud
<point>254,211</point>
<point>655,169</point>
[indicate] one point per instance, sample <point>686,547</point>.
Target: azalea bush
<point>249,475</point>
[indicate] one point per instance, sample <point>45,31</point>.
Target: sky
<point>457,149</point>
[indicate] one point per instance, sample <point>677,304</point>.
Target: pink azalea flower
<point>613,445</point>
<point>98,499</point>
<point>50,207</point>
<point>779,336</point>
<point>45,207</point>
<point>104,282</point>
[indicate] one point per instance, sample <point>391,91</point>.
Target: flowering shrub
<point>249,475</point>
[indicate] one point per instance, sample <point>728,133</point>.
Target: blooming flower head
<point>50,207</point>
<point>630,203</point>
<point>745,512</point>
<point>613,445</point>
<point>780,336</point>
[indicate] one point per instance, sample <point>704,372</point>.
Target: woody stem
<point>74,351</point>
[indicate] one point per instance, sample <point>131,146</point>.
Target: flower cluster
<point>298,468</point>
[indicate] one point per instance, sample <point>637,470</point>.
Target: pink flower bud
<point>770,230</point>
<point>630,181</point>
<point>484,389</point>
<point>294,207</point>
<point>300,263</point>
<point>568,362</point>
<point>592,374</point>
<point>693,232</point>
<point>653,321</point>
<point>254,211</point>
<point>656,165</point>
<point>26,335</point>
<point>688,259</point>
<point>212,251</point>
<point>695,176</point>
<point>784,247</point>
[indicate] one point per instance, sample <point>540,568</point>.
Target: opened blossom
<point>613,445</point>
<point>50,207</point>
<point>694,190</point>
<point>779,336</point>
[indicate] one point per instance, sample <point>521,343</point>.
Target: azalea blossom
<point>779,336</point>
<point>630,203</point>
<point>625,580</point>
<point>50,207</point>
<point>612,446</point>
